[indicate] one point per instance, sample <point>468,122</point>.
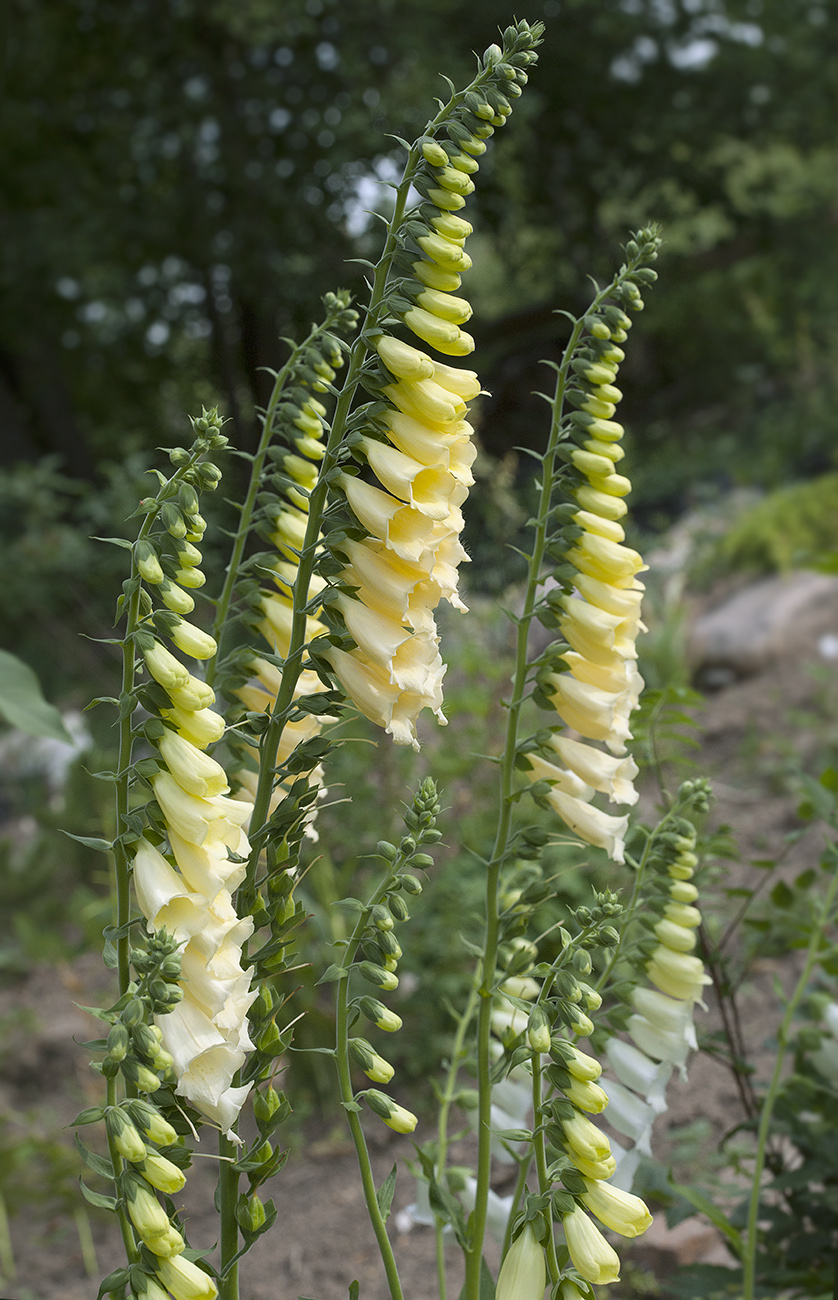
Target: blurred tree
<point>183,179</point>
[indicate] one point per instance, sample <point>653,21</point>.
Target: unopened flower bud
<point>124,1135</point>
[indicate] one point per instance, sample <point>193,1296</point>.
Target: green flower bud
<point>538,1029</point>
<point>380,1015</point>
<point>144,1210</point>
<point>377,975</point>
<point>163,1174</point>
<point>118,1042</point>
<point>149,1120</point>
<point>124,1135</point>
<point>141,1076</point>
<point>394,1116</point>
<point>250,1213</point>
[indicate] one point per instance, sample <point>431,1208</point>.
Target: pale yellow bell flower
<point>590,1254</point>
<point>206,867</point>
<point>586,1095</point>
<point>523,1273</point>
<point>440,275</point>
<point>202,727</point>
<point>427,401</point>
<point>678,937</point>
<point>193,696</point>
<point>157,884</point>
<point>608,505</point>
<point>185,1280</point>
<point>193,641</point>
<point>567,782</point>
<point>680,912</point>
<point>193,770</point>
<point>410,659</point>
<point>622,601</point>
<point>607,773</point>
<point>620,1211</point>
<point>591,824</point>
<point>167,1246</point>
<point>597,634</point>
<point>430,490</point>
<point>584,1139</point>
<point>163,1174</point>
<point>445,306</point>
<point>402,360</point>
<point>602,527</point>
<point>594,713</point>
<point>166,670</point>
<point>582,1066</point>
<point>447,253</point>
<point>677,974</point>
<point>440,334</point>
<point>403,529</point>
<point>373,694</point>
<point>145,1212</point>
<point>608,561</point>
<point>464,383</point>
<point>618,674</point>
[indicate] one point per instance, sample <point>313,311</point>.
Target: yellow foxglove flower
<point>594,713</point>
<point>145,1211</point>
<point>590,824</point>
<point>163,1174</point>
<point>619,1211</point>
<point>166,670</point>
<point>426,401</point>
<point>429,489</point>
<point>185,1280</point>
<point>584,1139</point>
<point>167,1245</point>
<point>202,727</point>
<point>192,696</point>
<point>442,335</point>
<point>606,773</point>
<point>404,530</point>
<point>677,974</point>
<point>678,937</point>
<point>193,770</point>
<point>566,782</point>
<point>523,1273</point>
<point>402,360</point>
<point>590,1253</point>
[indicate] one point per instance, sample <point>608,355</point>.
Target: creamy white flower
<point>611,775</point>
<point>590,1253</point>
<point>629,1114</point>
<point>638,1072</point>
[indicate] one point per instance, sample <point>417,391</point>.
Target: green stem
<point>347,1097</point>
<point>502,838</point>
<point>127,1231</point>
<point>458,1051</point>
<point>228,1195</point>
<point>812,956</point>
<point>541,1162</point>
<point>248,505</point>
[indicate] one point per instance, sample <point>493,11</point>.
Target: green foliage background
<point>182,180</point>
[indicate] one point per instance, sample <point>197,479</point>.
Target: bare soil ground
<point>322,1241</point>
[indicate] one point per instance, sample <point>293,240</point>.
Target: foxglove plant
<point>357,487</point>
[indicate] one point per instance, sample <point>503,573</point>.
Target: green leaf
<point>98,1164</point>
<point>22,703</point>
<point>115,1281</point>
<point>332,973</point>
<point>114,541</point>
<point>354,1290</point>
<point>781,895</point>
<point>101,1202</point>
<point>90,842</point>
<point>385,1193</point>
